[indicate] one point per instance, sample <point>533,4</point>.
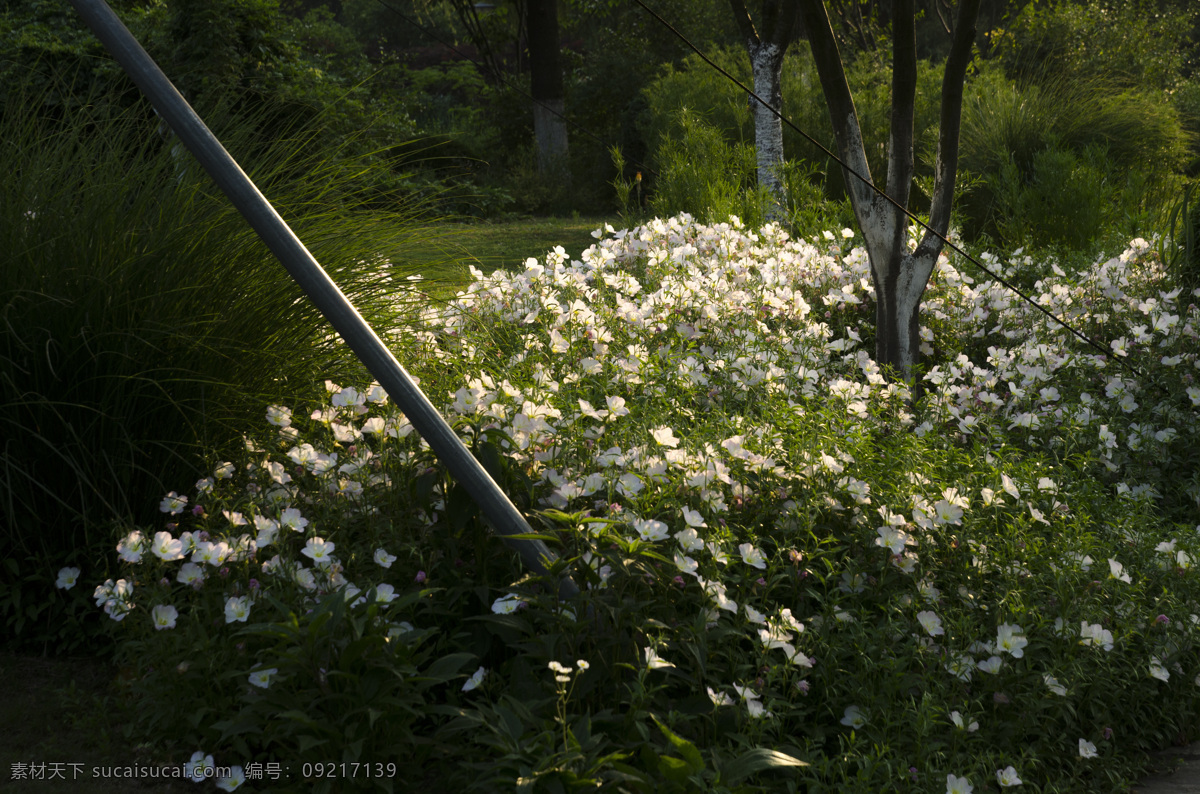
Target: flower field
<point>795,574</point>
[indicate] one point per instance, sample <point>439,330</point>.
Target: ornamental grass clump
<point>144,321</point>
<point>794,574</point>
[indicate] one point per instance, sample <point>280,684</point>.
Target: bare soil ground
<point>61,723</point>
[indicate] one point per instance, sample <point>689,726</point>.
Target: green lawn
<point>442,252</point>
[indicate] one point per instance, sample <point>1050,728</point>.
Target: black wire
<point>896,204</point>
<point>507,83</point>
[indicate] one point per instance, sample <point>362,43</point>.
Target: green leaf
<point>758,759</point>
<point>674,769</point>
<point>691,755</point>
<point>535,536</point>
<point>448,666</point>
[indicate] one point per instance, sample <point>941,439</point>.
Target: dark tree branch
<point>784,25</point>
<point>842,114</point>
<point>904,94</point>
<point>946,167</point>
<point>770,15</point>
<point>745,24</point>
<point>937,7</point>
<point>489,65</point>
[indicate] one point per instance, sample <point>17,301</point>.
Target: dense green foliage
<point>1060,157</point>
<point>1061,86</point>
<point>1066,161</point>
<point>143,318</point>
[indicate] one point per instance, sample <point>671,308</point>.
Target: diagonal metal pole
<point>498,511</point>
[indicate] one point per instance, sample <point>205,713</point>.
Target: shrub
<point>142,316</point>
<point>1123,43</point>
<point>711,97</point>
<point>701,169</point>
<point>1064,162</point>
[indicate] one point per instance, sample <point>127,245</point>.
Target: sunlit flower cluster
<point>665,387</point>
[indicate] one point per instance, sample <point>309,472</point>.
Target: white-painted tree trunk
<point>766,64</point>
<point>899,276</point>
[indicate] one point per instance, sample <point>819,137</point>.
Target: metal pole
<point>499,512</point>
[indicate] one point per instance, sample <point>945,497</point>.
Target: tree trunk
<point>546,86</point>
<point>766,62</point>
<point>900,276</point>
<point>766,46</point>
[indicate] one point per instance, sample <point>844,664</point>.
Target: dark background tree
<point>546,84</point>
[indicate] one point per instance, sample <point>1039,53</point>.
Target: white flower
<point>990,665</point>
<point>1054,686</point>
<point>716,591</point>
<point>616,407</point>
<point>130,548</point>
<point>291,519</point>
<point>961,666</point>
<point>650,530</point>
<point>719,698</point>
<point>958,785</point>
<point>199,768</point>
<point>630,485</point>
<point>475,680</point>
<point>665,436</point>
<point>67,577</point>
<point>1007,777</point>
<point>755,709</point>
<point>399,629</point>
<point>1095,634</point>
<point>173,503</point>
<point>853,717</point>
<point>1009,486</point>
<point>562,673</point>
<point>754,616</point>
<point>385,593</point>
<point>267,528</point>
<point>507,604</point>
<point>931,623</point>
<point>892,538</point>
<point>279,415</point>
<point>686,564</point>
<point>1010,640</point>
<point>164,617</point>
<point>318,550</point>
<point>384,559</point>
<point>262,678</point>
<point>1158,671</point>
<point>947,513</point>
<point>962,724</point>
<point>689,540</point>
<point>167,548</point>
<point>190,573</point>
<point>1087,749</point>
<point>237,609</point>
<point>1117,571</point>
<point>752,556</point>
<point>654,661</point>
